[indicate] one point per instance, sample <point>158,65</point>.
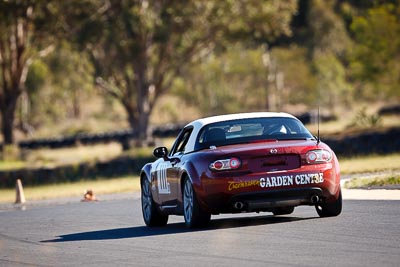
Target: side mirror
<point>160,152</point>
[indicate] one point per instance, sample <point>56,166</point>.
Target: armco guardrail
<point>368,142</point>
<point>84,139</point>
<point>389,110</point>
<point>123,137</point>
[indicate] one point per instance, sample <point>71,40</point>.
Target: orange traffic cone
<point>20,197</point>
<point>89,196</point>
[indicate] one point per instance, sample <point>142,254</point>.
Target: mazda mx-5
<point>249,162</point>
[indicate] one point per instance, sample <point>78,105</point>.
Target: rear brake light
<point>225,164</point>
<point>318,156</point>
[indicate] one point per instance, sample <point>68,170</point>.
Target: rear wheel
<point>194,215</point>
<point>283,211</point>
<point>330,209</point>
<point>151,214</point>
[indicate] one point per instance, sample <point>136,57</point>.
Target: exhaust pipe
<point>314,199</point>
<point>238,205</point>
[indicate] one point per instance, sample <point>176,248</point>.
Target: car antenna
<point>318,138</point>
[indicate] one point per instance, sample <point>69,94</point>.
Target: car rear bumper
<point>265,201</point>
<point>251,193</point>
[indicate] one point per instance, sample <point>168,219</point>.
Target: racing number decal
<point>163,185</point>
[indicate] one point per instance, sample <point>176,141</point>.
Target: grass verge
<point>370,163</point>
<point>101,186</point>
<point>11,165</point>
<point>372,182</point>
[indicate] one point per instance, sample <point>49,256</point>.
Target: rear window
<point>251,130</point>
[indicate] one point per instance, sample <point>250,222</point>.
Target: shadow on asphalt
<point>173,228</point>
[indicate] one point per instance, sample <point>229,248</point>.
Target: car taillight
<point>225,164</point>
<point>318,156</point>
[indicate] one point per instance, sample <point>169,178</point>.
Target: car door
<point>162,182</point>
<point>168,171</point>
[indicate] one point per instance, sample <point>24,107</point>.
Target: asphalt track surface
<point>112,233</point>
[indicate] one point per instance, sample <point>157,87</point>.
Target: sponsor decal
<point>296,179</point>
<point>163,185</point>
<point>232,185</point>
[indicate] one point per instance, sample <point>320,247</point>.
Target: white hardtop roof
<point>198,124</point>
<point>205,121</point>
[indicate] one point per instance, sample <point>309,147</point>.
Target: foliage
<point>328,29</point>
<point>234,81</point>
<point>11,165</point>
<point>363,120</point>
<point>299,80</point>
<point>67,86</point>
<point>330,43</point>
<point>29,30</point>
<point>220,56</point>
<point>332,86</point>
<point>66,62</point>
<point>37,75</point>
<point>244,79</point>
<point>376,56</point>
<point>159,39</point>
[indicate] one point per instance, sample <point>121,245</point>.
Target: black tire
<point>283,211</point>
<point>330,209</point>
<point>194,216</point>
<point>151,214</point>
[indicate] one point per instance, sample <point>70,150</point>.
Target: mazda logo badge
<point>273,151</point>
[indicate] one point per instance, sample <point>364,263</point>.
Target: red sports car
<point>248,162</point>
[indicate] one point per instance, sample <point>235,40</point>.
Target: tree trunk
<point>143,126</point>
<point>142,101</point>
<point>7,119</point>
<point>14,62</point>
<point>76,108</point>
<point>139,123</point>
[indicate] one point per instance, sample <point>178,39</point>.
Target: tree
<point>376,55</point>
<point>30,29</point>
<point>232,81</point>
<point>332,86</point>
<point>72,77</point>
<point>56,88</point>
<point>330,44</point>
<point>142,46</point>
<point>300,83</point>
<point>15,27</point>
